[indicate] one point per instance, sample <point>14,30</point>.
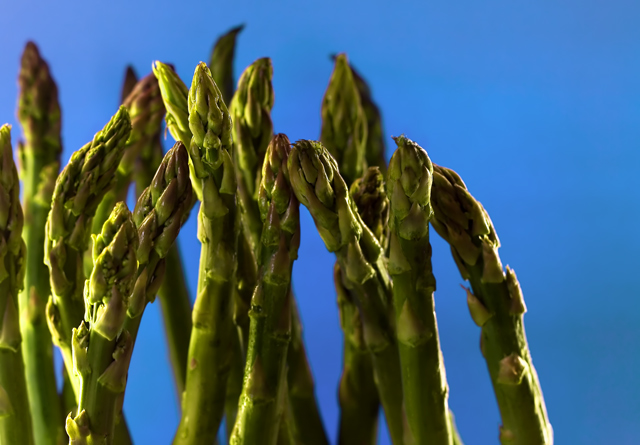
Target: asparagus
<point>423,375</point>
<point>210,346</point>
<point>221,62</point>
<point>101,346</point>
<point>39,115</point>
<point>146,110</point>
<point>344,125</point>
<point>77,193</point>
<point>262,402</point>
<point>174,95</point>
<point>129,82</point>
<point>318,185</point>
<point>252,130</point>
<point>496,305</point>
<point>15,416</point>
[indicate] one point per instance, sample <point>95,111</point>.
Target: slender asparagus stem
<point>319,186</point>
<point>101,346</point>
<point>302,415</point>
<point>344,125</point>
<point>424,381</point>
<point>146,110</point>
<point>496,305</point>
<point>15,416</point>
<point>210,346</point>
<point>128,83</point>
<point>77,193</point>
<point>174,95</point>
<point>39,115</point>
<point>262,402</point>
<point>221,62</point>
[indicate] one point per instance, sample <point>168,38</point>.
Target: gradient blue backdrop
<point>535,104</point>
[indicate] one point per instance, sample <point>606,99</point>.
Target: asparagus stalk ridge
<point>424,381</point>
<point>496,305</point>
<point>15,413</point>
<point>210,347</point>
<point>101,346</point>
<point>318,185</point>
<point>264,394</point>
<point>39,116</point>
<point>78,191</point>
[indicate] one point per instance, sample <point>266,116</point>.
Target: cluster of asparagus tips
<point>101,346</point>
<point>496,305</point>
<point>15,415</point>
<point>264,395</point>
<point>79,190</point>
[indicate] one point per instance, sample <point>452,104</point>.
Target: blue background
<point>535,104</point>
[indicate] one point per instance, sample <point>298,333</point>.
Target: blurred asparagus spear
<point>263,398</point>
<point>423,375</point>
<point>221,62</point>
<point>78,191</point>
<point>129,82</point>
<point>39,115</point>
<point>15,415</point>
<point>210,346</point>
<point>318,185</point>
<point>496,305</point>
<point>101,346</point>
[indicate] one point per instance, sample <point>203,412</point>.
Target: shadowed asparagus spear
<point>78,190</point>
<point>496,305</point>
<point>146,110</point>
<point>15,416</point>
<point>344,125</point>
<point>318,185</point>
<point>39,115</point>
<point>263,398</point>
<point>210,349</point>
<point>221,62</point>
<point>358,395</point>
<point>423,376</point>
<point>101,346</point>
<point>129,82</point>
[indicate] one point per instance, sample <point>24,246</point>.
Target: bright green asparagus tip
<point>221,62</point>
<point>344,125</point>
<point>174,94</point>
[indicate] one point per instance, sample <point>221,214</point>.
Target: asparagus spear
<point>221,62</point>
<point>175,96</point>
<point>344,125</point>
<point>263,395</point>
<point>15,416</point>
<point>129,82</point>
<point>423,376</point>
<point>218,225</point>
<point>146,110</point>
<point>39,115</point>
<point>101,346</point>
<point>496,305</point>
<point>318,185</point>
<point>77,193</point>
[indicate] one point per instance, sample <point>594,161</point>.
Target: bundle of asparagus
<point>79,269</point>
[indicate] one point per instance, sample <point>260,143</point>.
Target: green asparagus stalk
<point>221,62</point>
<point>210,350</point>
<point>496,305</point>
<point>175,97</point>
<point>318,185</point>
<point>423,375</point>
<point>15,416</point>
<point>129,82</point>
<point>101,346</point>
<point>358,396</point>
<point>252,131</point>
<point>39,115</point>
<point>146,110</point>
<point>344,125</point>
<point>78,191</point>
<point>263,398</point>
